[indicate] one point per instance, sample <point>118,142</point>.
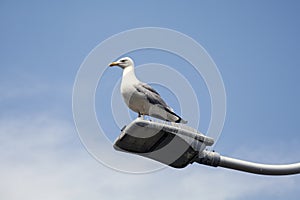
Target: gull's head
<point>123,63</point>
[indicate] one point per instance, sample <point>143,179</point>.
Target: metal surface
<point>176,146</point>
<point>216,160</point>
<point>258,168</point>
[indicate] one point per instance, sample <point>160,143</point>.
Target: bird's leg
<point>140,115</point>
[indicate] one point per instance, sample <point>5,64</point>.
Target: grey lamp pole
<point>216,160</point>
<point>179,146</point>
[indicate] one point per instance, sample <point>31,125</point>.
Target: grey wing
<point>151,94</point>
<point>148,87</point>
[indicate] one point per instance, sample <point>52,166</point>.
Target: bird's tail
<point>179,120</point>
<point>182,121</point>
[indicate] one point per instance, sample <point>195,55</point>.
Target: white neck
<point>128,74</point>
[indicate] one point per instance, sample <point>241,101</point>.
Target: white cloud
<point>42,158</point>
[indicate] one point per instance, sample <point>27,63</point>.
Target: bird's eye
<point>123,60</point>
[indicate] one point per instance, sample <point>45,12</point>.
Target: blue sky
<point>255,45</point>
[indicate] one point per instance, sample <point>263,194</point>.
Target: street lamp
<point>178,146</point>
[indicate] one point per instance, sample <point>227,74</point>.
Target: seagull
<point>142,98</point>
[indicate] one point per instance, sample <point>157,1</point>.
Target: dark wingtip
<point>181,121</point>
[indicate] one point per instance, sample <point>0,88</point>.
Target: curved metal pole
<point>216,160</point>
<point>257,168</point>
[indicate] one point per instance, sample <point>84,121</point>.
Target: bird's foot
<point>141,116</point>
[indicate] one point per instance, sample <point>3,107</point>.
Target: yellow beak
<point>113,64</point>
